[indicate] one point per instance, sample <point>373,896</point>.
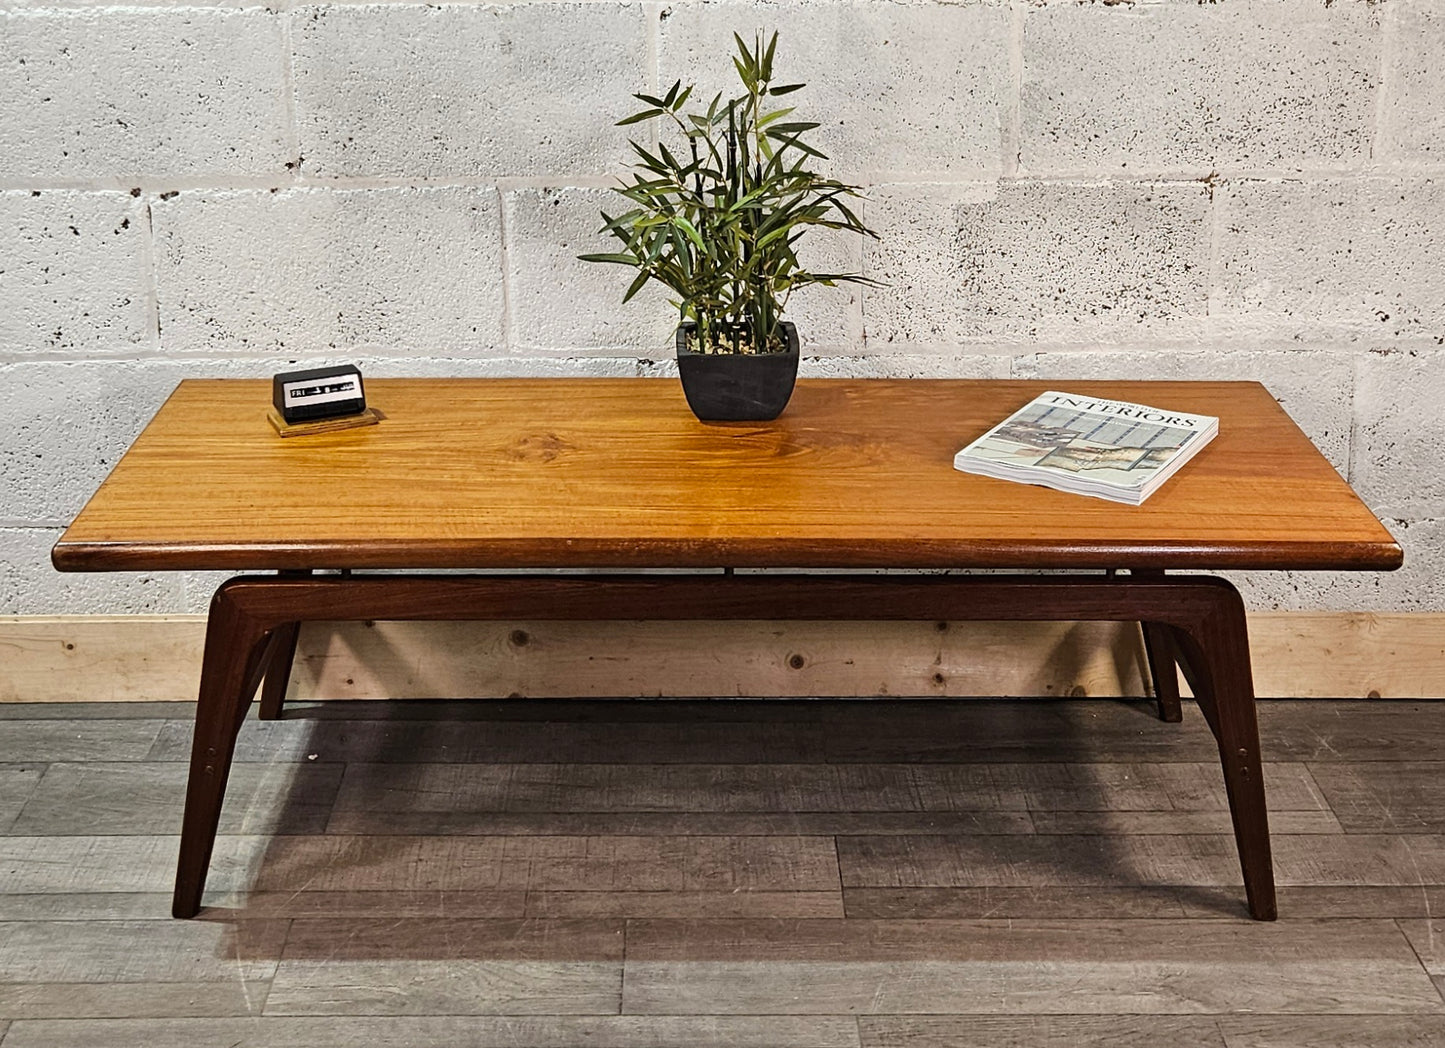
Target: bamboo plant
<point>718,221</point>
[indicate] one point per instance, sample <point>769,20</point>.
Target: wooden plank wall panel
<point>100,658</point>
<point>1348,654</point>
<point>686,659</point>
<point>143,658</point>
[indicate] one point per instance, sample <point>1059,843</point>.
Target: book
<point>1108,449</point>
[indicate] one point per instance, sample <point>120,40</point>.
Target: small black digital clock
<point>320,393</point>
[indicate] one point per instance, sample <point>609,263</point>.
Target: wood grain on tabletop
<point>617,472</point>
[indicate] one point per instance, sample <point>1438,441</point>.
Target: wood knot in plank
<point>544,447</point>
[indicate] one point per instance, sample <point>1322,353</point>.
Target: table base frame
<point>1194,622</point>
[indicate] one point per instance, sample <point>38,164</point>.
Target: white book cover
<point>1090,446</point>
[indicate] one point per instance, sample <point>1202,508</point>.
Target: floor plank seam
<point>1345,905</point>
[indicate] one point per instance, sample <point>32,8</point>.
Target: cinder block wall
<point>1235,189</point>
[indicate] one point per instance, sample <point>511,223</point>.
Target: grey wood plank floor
<point>889,874</point>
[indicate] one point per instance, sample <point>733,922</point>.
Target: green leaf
<point>637,118</point>
<point>776,114</point>
<point>743,49</point>
<point>683,257</point>
<point>691,231</point>
<point>771,237</point>
<point>792,141</point>
<point>671,161</point>
<point>625,260</point>
<point>745,74</point>
<point>636,286</point>
<point>719,221</point>
<point>854,221</point>
<point>622,223</point>
<point>796,127</point>
<point>651,162</point>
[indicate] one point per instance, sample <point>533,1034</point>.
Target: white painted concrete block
<point>1414,587</point>
<point>875,365</point>
<point>1364,256</point>
<point>1183,85</point>
<point>1413,115</point>
<point>197,589</point>
<point>73,275</point>
<point>1399,465</point>
<point>1035,261</point>
<point>901,89</point>
<point>560,303</point>
<point>496,367</point>
<point>466,90</point>
<point>132,92</point>
<point>30,586</point>
<point>66,423</point>
<point>664,368</point>
<point>1313,384</point>
<point>310,271</point>
<point>906,365</point>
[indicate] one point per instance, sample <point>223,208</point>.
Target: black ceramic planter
<point>737,387</point>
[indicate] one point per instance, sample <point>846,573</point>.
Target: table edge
<point>717,553</point>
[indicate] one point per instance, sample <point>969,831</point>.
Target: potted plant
<point>718,222</point>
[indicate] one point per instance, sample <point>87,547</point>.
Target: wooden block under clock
<point>367,417</point>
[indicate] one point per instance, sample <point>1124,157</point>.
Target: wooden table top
<point>486,473</point>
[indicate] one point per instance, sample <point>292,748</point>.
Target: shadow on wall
<point>706,660</point>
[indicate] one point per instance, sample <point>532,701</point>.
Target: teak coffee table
<point>601,473</point>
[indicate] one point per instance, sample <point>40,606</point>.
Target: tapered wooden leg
<point>1202,618</point>
<point>1216,652</point>
<point>278,671</point>
<point>1159,651</point>
<point>236,654</point>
